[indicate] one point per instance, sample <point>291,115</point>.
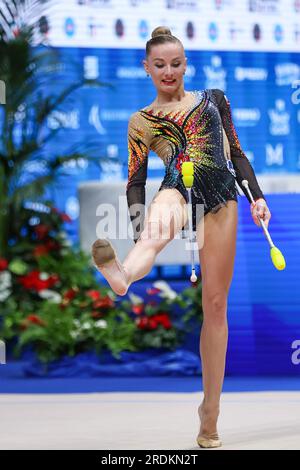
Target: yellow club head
<point>277,258</point>
<point>188,181</point>
<point>187,168</point>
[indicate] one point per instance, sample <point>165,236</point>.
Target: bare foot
<point>106,261</point>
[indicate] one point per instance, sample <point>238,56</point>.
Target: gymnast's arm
<point>138,149</point>
<point>241,164</point>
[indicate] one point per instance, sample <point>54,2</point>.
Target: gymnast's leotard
<point>199,128</point>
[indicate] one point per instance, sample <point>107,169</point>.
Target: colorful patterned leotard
<point>199,128</point>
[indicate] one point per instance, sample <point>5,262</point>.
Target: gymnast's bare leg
<point>217,263</point>
<point>166,215</point>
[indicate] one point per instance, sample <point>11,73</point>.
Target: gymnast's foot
<point>208,435</point>
<point>106,261</point>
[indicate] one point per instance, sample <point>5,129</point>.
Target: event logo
<point>213,31</point>
<point>90,67</point>
<point>280,118</point>
<point>234,31</point>
<point>264,6</point>
<point>274,156</point>
<point>278,33</point>
<point>94,120</point>
<point>253,74</point>
<point>286,73</point>
<point>246,117</point>
<point>143,29</point>
<point>69,27</point>
<point>215,74</point>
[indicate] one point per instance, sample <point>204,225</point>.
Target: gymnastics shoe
<point>106,261</point>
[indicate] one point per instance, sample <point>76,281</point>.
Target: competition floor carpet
<point>155,420</point>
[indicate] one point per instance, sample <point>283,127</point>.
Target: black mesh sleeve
<point>241,164</point>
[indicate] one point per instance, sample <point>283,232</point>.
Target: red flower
<point>105,302</point>
<point>138,309</point>
<point>40,250</point>
<point>35,319</point>
<point>93,294</point>
<point>96,315</point>
<point>65,217</point>
<point>142,323</point>
<point>70,294</point>
<point>33,281</point>
<point>42,231</point>
<point>3,264</point>
<point>52,245</point>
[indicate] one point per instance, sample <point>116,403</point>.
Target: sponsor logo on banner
<point>69,27</point>
<point>213,31</point>
<point>246,117</point>
<point>43,25</point>
<point>215,74</point>
<point>235,31</point>
<point>90,67</point>
<point>96,3</point>
<point>251,73</point>
<point>182,4</point>
<point>66,120</point>
<point>264,6</point>
<point>130,72</point>
<point>143,29</point>
<point>274,156</point>
<point>278,33</point>
<point>72,166</point>
<point>280,119</point>
<point>94,120</point>
<point>220,4</point>
<point>111,171</point>
<point>286,73</point>
<point>119,28</point>
<point>94,26</point>
<point>139,3</point>
<point>257,32</point>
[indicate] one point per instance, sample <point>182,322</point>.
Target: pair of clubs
<point>187,170</point>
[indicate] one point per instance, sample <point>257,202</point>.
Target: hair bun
<point>161,31</point>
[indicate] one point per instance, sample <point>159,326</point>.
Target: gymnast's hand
<point>260,210</point>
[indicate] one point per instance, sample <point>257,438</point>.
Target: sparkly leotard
<point>199,128</point>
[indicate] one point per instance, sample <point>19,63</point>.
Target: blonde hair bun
<point>161,31</point>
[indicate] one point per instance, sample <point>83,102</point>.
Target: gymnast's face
<point>166,64</point>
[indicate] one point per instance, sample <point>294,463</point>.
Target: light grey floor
<point>262,420</point>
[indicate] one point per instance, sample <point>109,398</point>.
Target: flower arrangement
<point>52,303</point>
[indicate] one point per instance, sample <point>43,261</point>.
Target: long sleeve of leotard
<point>139,139</point>
<point>241,164</point>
